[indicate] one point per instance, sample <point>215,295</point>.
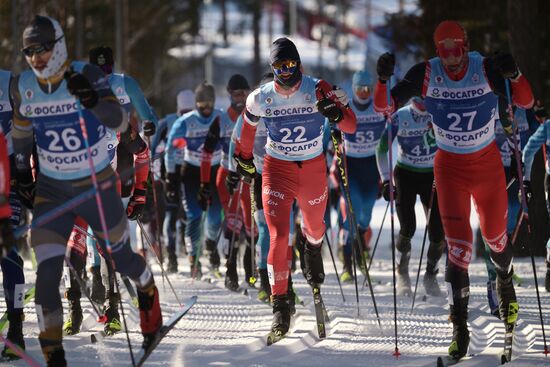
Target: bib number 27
<point>459,121</point>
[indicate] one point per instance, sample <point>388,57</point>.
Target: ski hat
<point>102,56</point>
<point>361,78</point>
<point>205,93</point>
<point>236,82</point>
<point>450,30</point>
<point>417,104</point>
<point>185,100</point>
<point>46,30</point>
<point>283,49</point>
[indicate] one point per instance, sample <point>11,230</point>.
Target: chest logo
<point>29,94</point>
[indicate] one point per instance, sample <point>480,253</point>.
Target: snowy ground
<point>228,329</point>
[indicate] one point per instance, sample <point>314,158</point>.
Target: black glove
<point>539,110</point>
<point>80,87</point>
<point>246,168</point>
<point>506,65</point>
<point>25,187</point>
<point>231,181</point>
<point>528,192</point>
<point>330,110</point>
<point>7,240</point>
<point>386,191</point>
<point>385,66</point>
<point>172,187</point>
<point>149,128</point>
<point>136,204</point>
<point>204,196</point>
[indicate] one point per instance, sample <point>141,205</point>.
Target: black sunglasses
<point>40,48</point>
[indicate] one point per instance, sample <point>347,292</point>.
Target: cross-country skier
<point>46,101</point>
<point>185,101</point>
<point>412,125</point>
<point>362,172</point>
<point>293,107</point>
<point>460,90</point>
<point>193,128</point>
<point>10,212</point>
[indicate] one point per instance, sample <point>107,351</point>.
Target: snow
<point>229,329</point>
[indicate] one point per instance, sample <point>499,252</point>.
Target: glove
<point>7,240</point>
<point>149,128</point>
<point>204,196</point>
<point>385,66</point>
<point>246,168</point>
<point>25,187</point>
<point>80,87</point>
<point>505,65</point>
<point>380,190</point>
<point>386,191</point>
<point>528,192</point>
<point>231,181</point>
<point>540,111</point>
<point>172,188</point>
<point>136,204</point>
<point>330,110</point>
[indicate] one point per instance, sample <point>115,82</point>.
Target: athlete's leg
<point>193,214</point>
<point>213,223</point>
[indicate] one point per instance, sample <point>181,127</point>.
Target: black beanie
<point>236,82</point>
<point>102,55</point>
<point>40,31</point>
<point>205,93</point>
<point>283,49</point>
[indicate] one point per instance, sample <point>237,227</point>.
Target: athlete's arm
<point>210,143</point>
<point>413,84</point>
<point>233,143</point>
<point>141,168</point>
<point>139,102</point>
<point>21,132</point>
<point>382,149</point>
<point>108,110</point>
<point>348,123</point>
<point>177,133</point>
<point>522,95</point>
<point>251,120</point>
<point>5,210</point>
<point>533,145</point>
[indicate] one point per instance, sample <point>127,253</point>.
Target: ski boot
<point>508,307</point>
<point>313,264</point>
<point>492,298</point>
<point>213,257</point>
<point>196,268</point>
<point>461,334</point>
<point>172,267</point>
<point>150,315</point>
<point>55,358</point>
<point>265,288</point>
<point>112,325</point>
<point>247,265</point>
<point>15,335</point>
<point>74,320</point>
<point>281,315</point>
<point>547,278</point>
<point>347,273</point>
<point>430,283</point>
<point>403,279</point>
<point>292,296</point>
<point>98,289</point>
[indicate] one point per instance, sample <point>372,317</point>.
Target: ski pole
<point>428,217</point>
<point>524,205</point>
<point>155,201</point>
<point>335,269</point>
<point>20,352</point>
<point>392,219</point>
<point>252,279</point>
<point>376,242</point>
<point>157,257</point>
<point>238,206</point>
<point>101,213</point>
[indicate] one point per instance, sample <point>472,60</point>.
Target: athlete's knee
<point>459,253</point>
<point>128,262</point>
<point>497,244</point>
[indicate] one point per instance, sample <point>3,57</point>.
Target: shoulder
<point>253,104</point>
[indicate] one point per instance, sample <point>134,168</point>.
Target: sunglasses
<point>204,104</point>
<point>279,66</point>
<point>362,88</point>
<point>457,51</point>
<point>40,48</point>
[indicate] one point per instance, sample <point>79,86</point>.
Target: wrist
<point>515,78</point>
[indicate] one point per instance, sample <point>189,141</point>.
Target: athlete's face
<point>452,55</point>
<point>205,108</point>
<point>238,99</point>
<point>362,91</point>
<point>37,56</point>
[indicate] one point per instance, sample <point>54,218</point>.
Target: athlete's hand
<point>246,168</point>
<point>172,188</point>
<point>385,66</point>
<point>505,65</point>
<point>149,128</point>
<point>7,240</point>
<point>231,181</point>
<point>328,108</point>
<point>528,192</point>
<point>540,111</point>
<point>386,191</point>
<point>136,205</point>
<point>204,195</point>
<point>80,87</point>
<point>25,187</point>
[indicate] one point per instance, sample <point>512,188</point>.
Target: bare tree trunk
<point>224,22</point>
<point>256,65</point>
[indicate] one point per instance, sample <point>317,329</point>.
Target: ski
<point>165,329</point>
<point>131,291</point>
<point>29,296</point>
<point>320,312</point>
